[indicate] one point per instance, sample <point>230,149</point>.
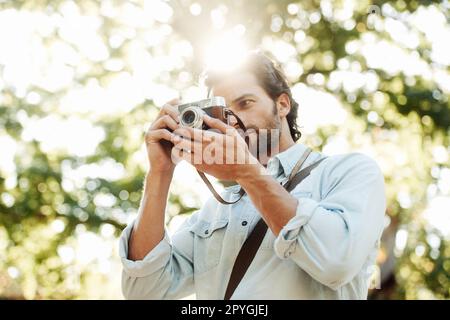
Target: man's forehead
<point>232,87</point>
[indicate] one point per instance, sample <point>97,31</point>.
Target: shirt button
<point>244,223</point>
<point>206,231</point>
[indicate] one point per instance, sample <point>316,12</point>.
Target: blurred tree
<point>142,52</point>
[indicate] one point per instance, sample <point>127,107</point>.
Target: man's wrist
<point>250,172</point>
<point>157,182</point>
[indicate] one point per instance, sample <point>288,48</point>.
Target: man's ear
<point>283,105</point>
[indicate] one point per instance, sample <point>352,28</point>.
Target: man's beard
<point>265,141</point>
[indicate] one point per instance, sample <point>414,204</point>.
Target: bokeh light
<point>81,81</point>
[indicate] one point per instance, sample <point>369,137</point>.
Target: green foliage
<point>47,202</point>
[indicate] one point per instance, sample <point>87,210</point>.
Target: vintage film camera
<point>191,114</point>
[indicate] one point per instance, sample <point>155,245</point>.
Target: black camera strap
<point>229,112</point>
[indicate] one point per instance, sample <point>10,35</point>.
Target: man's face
<point>248,100</point>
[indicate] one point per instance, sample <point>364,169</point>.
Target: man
<point>322,237</point>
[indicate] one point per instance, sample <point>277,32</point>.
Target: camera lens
<point>189,117</point>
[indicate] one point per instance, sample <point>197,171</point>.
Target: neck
<point>285,143</point>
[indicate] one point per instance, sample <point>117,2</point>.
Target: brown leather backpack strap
<point>298,177</point>
<point>245,257</point>
<point>253,242</point>
<point>300,162</point>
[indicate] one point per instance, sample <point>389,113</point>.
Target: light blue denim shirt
<point>327,251</point>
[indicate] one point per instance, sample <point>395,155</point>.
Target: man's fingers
<point>188,145</point>
<point>171,109</point>
<point>165,121</point>
<point>179,154</point>
<point>195,134</point>
<point>156,135</point>
<point>176,155</point>
<point>217,124</point>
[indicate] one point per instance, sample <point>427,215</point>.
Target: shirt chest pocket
<point>208,244</point>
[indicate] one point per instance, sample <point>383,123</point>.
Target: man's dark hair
<point>271,79</point>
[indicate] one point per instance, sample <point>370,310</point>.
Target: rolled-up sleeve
<point>331,238</point>
<point>166,272</point>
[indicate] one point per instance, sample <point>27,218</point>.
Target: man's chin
<point>264,143</point>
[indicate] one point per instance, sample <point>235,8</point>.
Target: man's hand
<point>221,152</point>
<point>148,229</point>
<point>158,138</point>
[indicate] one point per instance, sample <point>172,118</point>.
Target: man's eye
<point>246,103</point>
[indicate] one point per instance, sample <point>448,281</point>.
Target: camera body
<point>191,114</point>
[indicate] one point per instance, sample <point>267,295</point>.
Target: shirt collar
<point>288,158</point>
